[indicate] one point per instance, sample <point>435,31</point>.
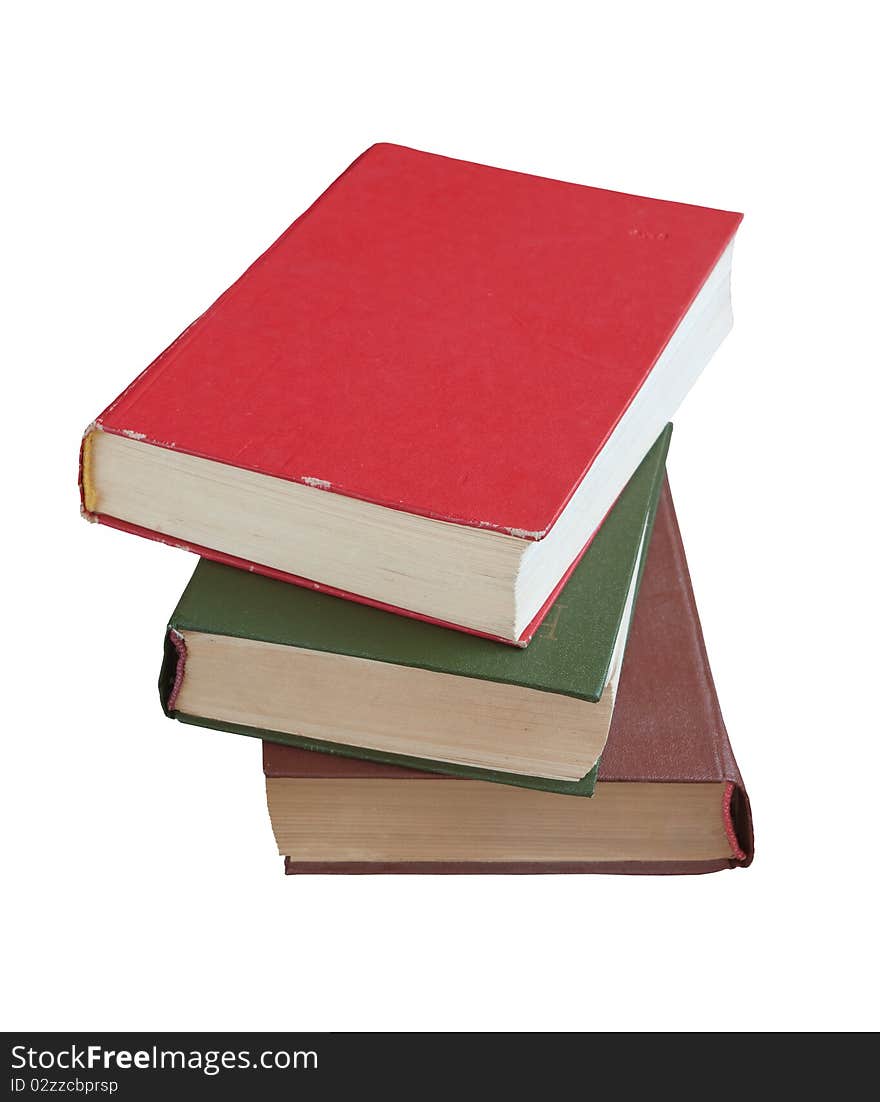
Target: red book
<point>427,393</point>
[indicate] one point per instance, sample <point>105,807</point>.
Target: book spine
<point>85,481</point>
<point>738,823</point>
<point>172,670</point>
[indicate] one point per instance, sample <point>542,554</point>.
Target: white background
<point>150,153</point>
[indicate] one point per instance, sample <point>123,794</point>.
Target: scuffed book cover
<point>432,336</point>
<point>667,727</point>
<point>570,655</point>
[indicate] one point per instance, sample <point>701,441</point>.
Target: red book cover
<point>442,338</point>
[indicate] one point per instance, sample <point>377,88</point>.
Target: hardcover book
<point>427,394</point>
<point>669,798</point>
<point>251,654</point>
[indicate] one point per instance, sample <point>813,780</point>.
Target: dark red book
<point>669,797</point>
<point>428,393</point>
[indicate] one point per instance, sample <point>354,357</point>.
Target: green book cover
<point>571,653</point>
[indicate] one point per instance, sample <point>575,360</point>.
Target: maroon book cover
<point>667,727</point>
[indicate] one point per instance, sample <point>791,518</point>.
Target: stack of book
<point>420,446</point>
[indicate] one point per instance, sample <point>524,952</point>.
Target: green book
<point>259,656</point>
